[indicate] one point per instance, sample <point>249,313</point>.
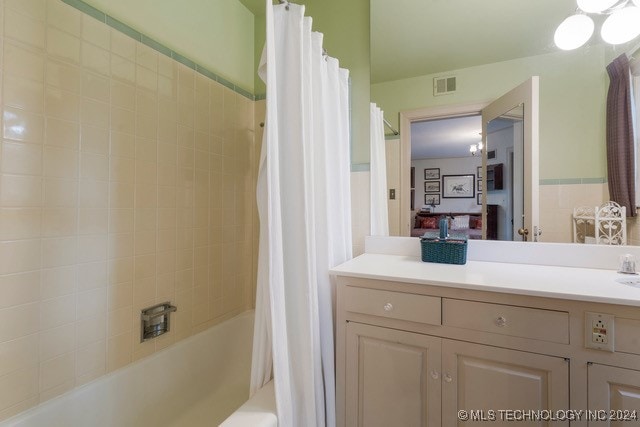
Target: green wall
<point>572,104</point>
<point>345,24</point>
<point>217,34</point>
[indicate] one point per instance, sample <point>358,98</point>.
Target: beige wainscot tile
<point>24,29</point>
<point>120,321</point>
<point>61,133</point>
<point>24,94</point>
<point>20,288</point>
<point>20,256</point>
<point>93,275</point>
<point>119,350</point>
<point>62,104</point>
<point>63,45</point>
<point>20,125</point>
<point>17,387</point>
<point>59,222</point>
<point>60,192</point>
<point>96,59</point>
<point>63,76</point>
<point>91,329</point>
<point>18,354</point>
<point>60,163</point>
<point>91,362</point>
<point>23,62</point>
<point>20,223</point>
<point>64,17</point>
<point>58,252</point>
<point>120,270</point>
<point>57,341</point>
<point>94,140</point>
<point>58,281</point>
<point>96,87</point>
<point>93,221</point>
<point>95,32</point>
<point>57,372</point>
<point>94,194</point>
<point>19,321</point>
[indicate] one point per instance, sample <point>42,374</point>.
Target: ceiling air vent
<point>444,85</point>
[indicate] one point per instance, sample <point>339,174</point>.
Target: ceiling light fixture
<point>474,148</point>
<point>622,23</point>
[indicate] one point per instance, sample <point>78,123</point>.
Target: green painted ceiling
<point>257,7</point>
<point>412,38</point>
<point>417,37</point>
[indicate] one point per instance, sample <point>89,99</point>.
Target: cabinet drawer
<point>394,305</point>
<point>545,325</point>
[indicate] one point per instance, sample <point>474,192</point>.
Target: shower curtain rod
<point>386,122</point>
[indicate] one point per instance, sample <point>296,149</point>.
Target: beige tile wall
<point>556,207</point>
<point>360,209</point>
<point>126,179</point>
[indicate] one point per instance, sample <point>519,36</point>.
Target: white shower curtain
<point>378,175</point>
<point>304,204</point>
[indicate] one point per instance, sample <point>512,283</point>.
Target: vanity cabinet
<point>397,378</point>
<point>392,377</point>
<point>616,390</point>
<point>416,354</point>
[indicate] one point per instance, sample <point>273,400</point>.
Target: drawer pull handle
<point>447,378</point>
<point>434,374</point>
<point>501,321</point>
<point>388,307</point>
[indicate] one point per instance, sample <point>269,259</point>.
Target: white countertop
<point>582,284</point>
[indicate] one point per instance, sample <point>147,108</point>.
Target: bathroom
<point>129,166</point>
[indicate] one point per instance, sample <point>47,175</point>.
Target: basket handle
<point>444,228</point>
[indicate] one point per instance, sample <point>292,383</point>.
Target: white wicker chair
<point>611,224</point>
<point>604,225</point>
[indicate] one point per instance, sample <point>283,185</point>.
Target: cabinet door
<point>616,390</point>
<point>479,377</point>
<point>392,378</point>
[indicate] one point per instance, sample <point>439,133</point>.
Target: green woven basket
<point>451,250</point>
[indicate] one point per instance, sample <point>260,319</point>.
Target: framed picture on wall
<point>479,172</point>
<point>458,186</point>
<point>432,187</point>
<point>431,199</point>
<point>479,185</point>
<point>413,200</point>
<point>413,177</point>
<point>431,173</point>
<point>479,197</point>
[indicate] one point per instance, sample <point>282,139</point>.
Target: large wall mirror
<point>456,58</point>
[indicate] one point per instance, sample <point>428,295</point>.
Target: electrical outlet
<point>599,330</point>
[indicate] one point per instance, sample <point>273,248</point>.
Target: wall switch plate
<point>599,331</point>
<point>392,194</point>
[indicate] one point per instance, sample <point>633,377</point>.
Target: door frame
<point>417,115</point>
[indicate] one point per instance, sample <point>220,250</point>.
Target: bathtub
<point>198,382</point>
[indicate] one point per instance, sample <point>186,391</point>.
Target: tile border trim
<point>155,45</point>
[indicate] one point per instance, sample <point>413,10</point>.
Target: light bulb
<point>595,6</point>
<point>480,145</point>
<point>473,149</point>
<point>573,32</point>
<point>621,26</point>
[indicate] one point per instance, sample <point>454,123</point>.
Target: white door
<point>520,106</point>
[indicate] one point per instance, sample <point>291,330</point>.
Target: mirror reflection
<point>504,180</point>
<point>462,60</point>
<point>448,175</point>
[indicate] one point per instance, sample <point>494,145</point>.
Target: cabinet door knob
<point>388,307</point>
<point>447,378</point>
<point>434,374</point>
<point>501,321</point>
